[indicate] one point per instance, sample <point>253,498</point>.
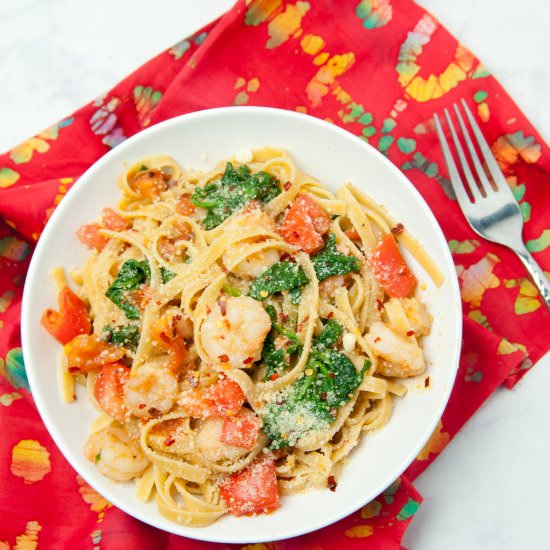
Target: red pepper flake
<point>377,339</point>
<point>248,360</point>
<point>223,358</point>
<point>223,307</point>
<point>169,441</point>
<point>224,269</point>
<point>287,186</point>
<point>410,333</point>
<point>274,376</point>
<point>379,304</point>
<point>330,315</point>
<point>331,483</point>
<point>141,406</point>
<point>331,375</point>
<point>283,316</point>
<point>426,381</point>
<point>398,229</point>
<point>285,256</point>
<point>73,370</point>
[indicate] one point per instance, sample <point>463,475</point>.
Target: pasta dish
<point>238,331</point>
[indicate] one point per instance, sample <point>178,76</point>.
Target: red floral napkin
<point>380,69</point>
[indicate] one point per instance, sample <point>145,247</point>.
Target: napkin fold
<point>380,69</point>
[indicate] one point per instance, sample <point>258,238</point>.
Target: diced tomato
<point>71,320</point>
<point>113,220</point>
<point>166,248</point>
<point>241,430</point>
<point>192,401</point>
<point>225,397</point>
<point>390,269</point>
<point>86,352</point>
<point>305,223</point>
<point>149,183</point>
<point>253,490</point>
<point>91,237</point>
<point>109,389</point>
<point>184,206</point>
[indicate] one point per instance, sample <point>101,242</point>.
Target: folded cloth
<point>380,69</point>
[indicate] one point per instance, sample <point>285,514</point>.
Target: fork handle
<point>537,274</point>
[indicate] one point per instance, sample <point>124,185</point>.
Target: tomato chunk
<point>224,398</point>
<point>253,490</point>
<point>113,220</point>
<point>91,237</point>
<point>241,430</point>
<point>71,320</point>
<point>304,224</point>
<point>149,183</point>
<point>86,352</point>
<point>390,269</point>
<point>184,206</point>
<point>109,389</point>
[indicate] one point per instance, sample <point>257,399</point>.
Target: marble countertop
<point>488,489</point>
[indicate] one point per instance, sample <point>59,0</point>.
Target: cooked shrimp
<point>209,442</point>
<point>234,331</point>
<point>254,265</point>
<point>115,454</point>
<point>153,390</point>
<point>402,358</point>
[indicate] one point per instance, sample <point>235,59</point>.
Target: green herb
<point>126,336</point>
<point>166,275</point>
<point>97,457</point>
<point>236,188</point>
<point>142,168</point>
<point>280,276</point>
<point>312,402</point>
<point>330,262</point>
<point>131,276</point>
<point>231,290</point>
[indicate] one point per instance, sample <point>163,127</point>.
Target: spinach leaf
<point>280,276</point>
<point>274,359</point>
<point>277,360</point>
<point>330,335</point>
<point>296,295</point>
<point>312,402</point>
<point>131,276</point>
<point>236,188</point>
<point>330,262</point>
<point>166,275</point>
<point>126,336</point>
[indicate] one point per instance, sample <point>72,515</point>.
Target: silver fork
<point>491,209</point>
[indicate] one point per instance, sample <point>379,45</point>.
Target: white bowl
<point>333,156</point>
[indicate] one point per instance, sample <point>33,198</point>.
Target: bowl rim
<point>89,174</point>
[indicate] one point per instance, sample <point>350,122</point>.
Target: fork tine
<point>474,189</point>
<point>483,179</point>
<point>454,175</point>
<point>492,165</point>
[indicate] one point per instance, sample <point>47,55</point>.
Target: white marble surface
<point>489,488</point>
